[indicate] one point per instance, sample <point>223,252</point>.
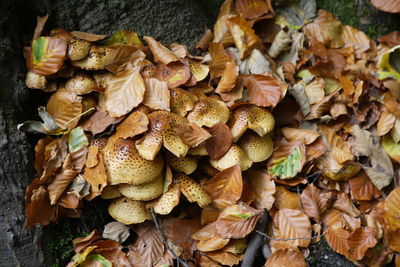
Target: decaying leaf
<point>116,231</point>
<point>263,90</point>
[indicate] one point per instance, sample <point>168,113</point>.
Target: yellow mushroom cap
<point>208,111</point>
<point>234,156</point>
<point>87,104</point>
<point>192,190</point>
<point>35,81</point>
<point>125,165</point>
<point>182,101</point>
<point>147,191</point>
<point>168,201</point>
<point>81,84</point>
<point>161,132</point>
<point>95,60</point>
<point>128,211</point>
<point>251,117</point>
<point>100,142</point>
<point>199,150</point>
<point>258,148</point>
<point>110,192</point>
<point>77,48</point>
<point>184,164</point>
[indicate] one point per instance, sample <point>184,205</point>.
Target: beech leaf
<point>136,123</point>
<point>287,160</point>
<point>220,141</point>
<point>226,185</point>
<point>116,231</point>
<point>156,95</point>
<point>263,90</point>
<point>191,134</point>
<point>294,224</point>
<point>263,187</point>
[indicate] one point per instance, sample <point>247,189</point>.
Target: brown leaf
<point>150,244</point>
<point>237,221</point>
<point>100,121</point>
<point>263,90</point>
<point>228,79</point>
<point>343,203</point>
<point>90,37</point>
<point>40,22</point>
<point>337,239</point>
<point>392,6</point>
<point>156,95</point>
<point>286,257</point>
<point>391,39</point>
<point>212,244</point>
<point>392,208</point>
<point>220,142</point>
<point>65,107</point>
<point>253,9</point>
<point>361,188</point>
<point>124,92</point>
<point>219,59</point>
<point>360,241</point>
<point>304,135</point>
<point>315,201</point>
<point>191,134</point>
<point>264,189</point>
<point>161,53</point>
<point>96,176</point>
<point>357,39</point>
<point>287,160</point>
<point>226,185</point>
<point>68,201</point>
<point>175,73</point>
<point>315,90</point>
<point>61,180</point>
<point>39,153</point>
<point>385,123</point>
<point>207,37</point>
<point>224,258</point>
<point>136,123</point>
<point>117,56</point>
<point>294,224</point>
<point>285,199</point>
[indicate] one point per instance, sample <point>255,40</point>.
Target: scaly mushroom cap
<point>199,150</point>
<point>168,201</point>
<point>161,131</point>
<point>258,148</point>
<point>147,191</point>
<point>128,211</point>
<point>102,78</point>
<point>81,84</point>
<point>125,165</point>
<point>88,103</point>
<point>192,190</point>
<point>252,117</point>
<point>208,111</point>
<point>35,81</point>
<point>234,156</point>
<point>77,49</point>
<point>110,192</point>
<point>95,60</point>
<point>184,164</point>
<point>100,142</point>
<point>182,101</point>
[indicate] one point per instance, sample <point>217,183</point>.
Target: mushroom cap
<point>192,190</point>
<point>147,191</point>
<point>168,201</point>
<point>208,111</point>
<point>199,150</point>
<point>161,132</point>
<point>128,211</point>
<point>35,81</point>
<point>77,48</point>
<point>184,164</point>
<point>182,101</point>
<point>110,192</point>
<point>251,117</point>
<point>95,60</point>
<point>102,78</point>
<point>234,156</point>
<point>100,142</point>
<point>258,148</point>
<point>125,165</point>
<point>81,84</point>
<point>88,103</point>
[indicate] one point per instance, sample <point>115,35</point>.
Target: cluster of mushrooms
<point>152,167</point>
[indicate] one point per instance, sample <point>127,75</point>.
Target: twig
<point>158,228</point>
<point>255,241</point>
<point>287,239</point>
<point>299,197</point>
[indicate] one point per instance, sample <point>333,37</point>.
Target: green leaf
<point>125,37</point>
<point>287,167</point>
<point>77,139</point>
<point>39,47</point>
<point>391,147</point>
<point>103,261</point>
<point>389,66</point>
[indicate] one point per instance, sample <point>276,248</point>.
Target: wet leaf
<point>220,141</point>
<point>226,185</point>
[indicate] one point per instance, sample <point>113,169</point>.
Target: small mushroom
<point>147,191</point>
<point>234,156</point>
<point>258,148</point>
<point>81,84</point>
<point>208,111</point>
<point>87,104</point>
<point>102,78</point>
<point>199,150</point>
<point>251,117</point>
<point>110,192</point>
<point>184,164</point>
<point>168,201</point>
<point>35,81</point>
<point>128,211</point>
<point>77,48</point>
<point>95,60</point>
<point>125,165</point>
<point>182,101</point>
<point>192,190</point>
<point>161,132</point>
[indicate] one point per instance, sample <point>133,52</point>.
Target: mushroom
<point>81,84</point>
<point>192,190</point>
<point>128,211</point>
<point>199,150</point>
<point>77,48</point>
<point>168,201</point>
<point>182,101</point>
<point>208,111</point>
<point>184,164</point>
<point>110,192</point>
<point>161,132</point>
<point>250,117</point>
<point>100,142</point>
<point>125,165</point>
<point>35,81</point>
<point>102,78</point>
<point>87,104</point>
<point>258,148</point>
<point>234,156</point>
<point>147,191</point>
<point>95,60</point>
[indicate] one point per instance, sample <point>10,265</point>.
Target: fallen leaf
<point>116,231</point>
<point>161,53</point>
<point>392,6</point>
<point>100,121</point>
<point>77,145</point>
<point>392,149</point>
<point>294,224</point>
<point>204,41</point>
<point>225,258</point>
<point>228,79</point>
<point>360,241</point>
<point>191,134</point>
<point>298,91</point>
<point>156,95</point>
<point>40,22</point>
<point>125,37</point>
<point>264,189</point>
<point>315,90</point>
<point>337,239</point>
<point>263,90</point>
<point>220,141</point>
<point>96,176</point>
<point>344,204</point>
<point>219,59</point>
<point>256,63</point>
<point>281,43</point>
<point>304,135</point>
<point>226,185</point>
<point>361,188</point>
<point>286,257</point>
<point>392,208</point>
<point>253,9</point>
<point>150,244</point>
<point>315,202</point>
<point>117,56</point>
<point>385,123</point>
<point>287,160</point>
<point>391,39</point>
<point>90,37</point>
<point>298,13</point>
<point>212,244</point>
